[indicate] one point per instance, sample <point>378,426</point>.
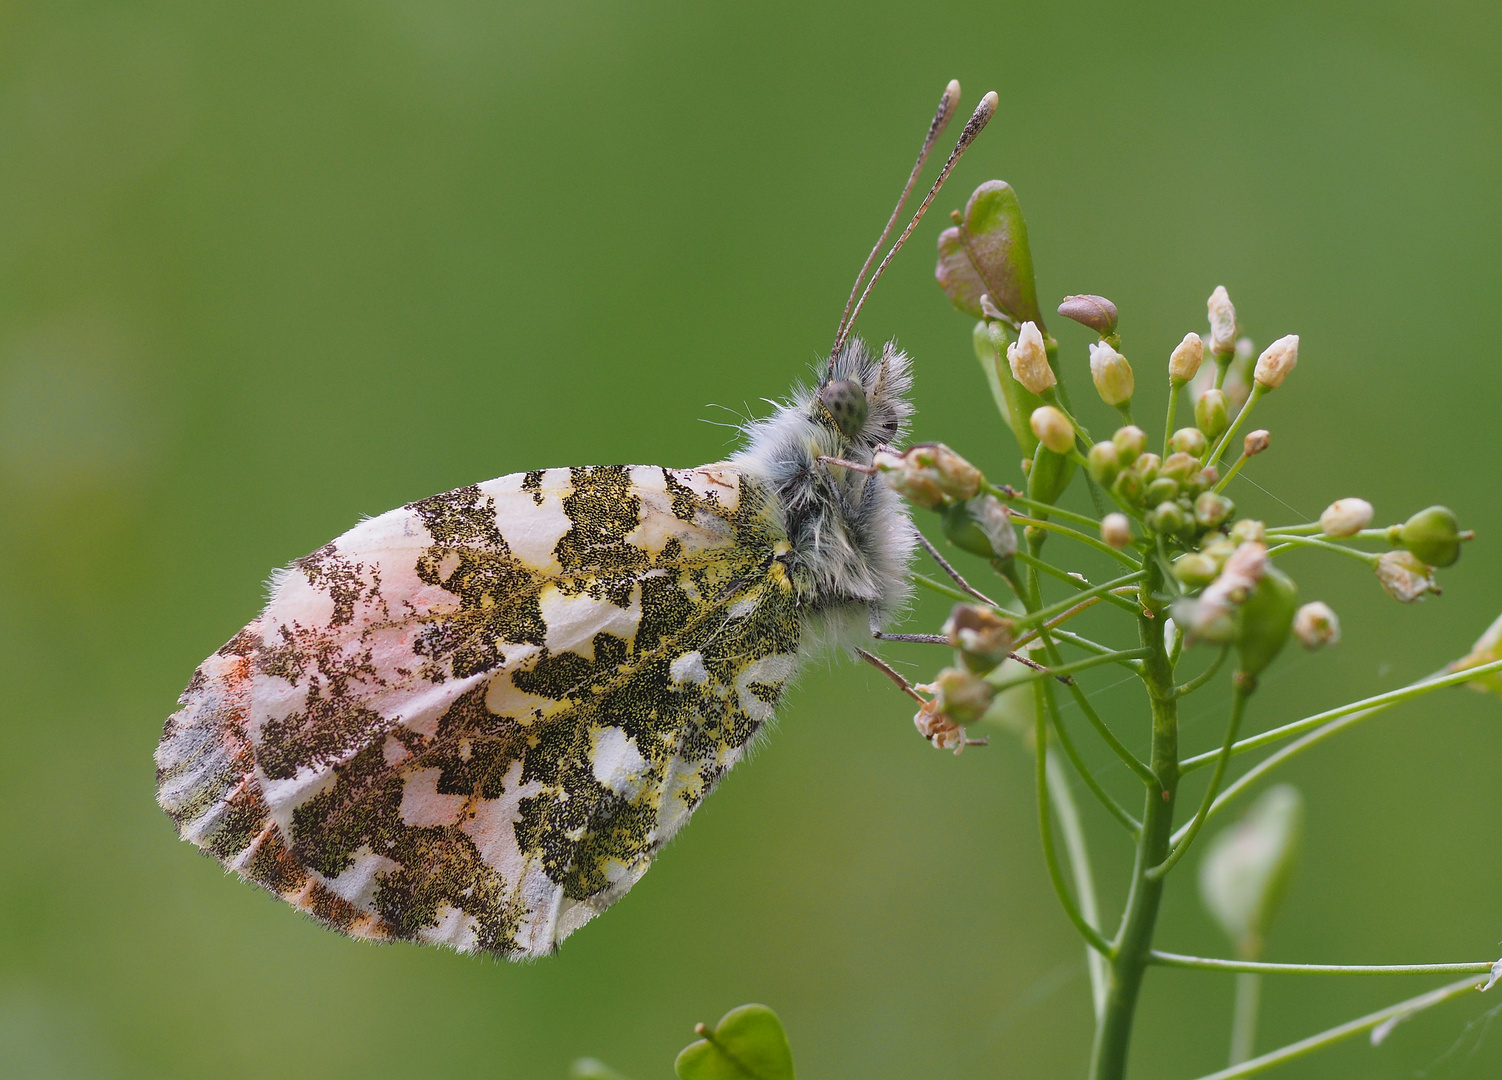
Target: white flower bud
<point>1316,626</point>
<point>1184,362</point>
<point>1345,517</point>
<point>1276,361</point>
<point>1222,323</point>
<point>1256,442</point>
<point>1029,359</point>
<point>1052,428</point>
<point>1112,374</point>
<point>911,479</point>
<point>1404,577</point>
<point>1116,530</point>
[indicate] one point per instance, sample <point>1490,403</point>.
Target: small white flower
<point>1404,576</point>
<point>1316,625</point>
<point>1222,323</point>
<point>1184,362</point>
<point>1111,373</point>
<point>1276,361</point>
<point>1029,359</point>
<point>1345,517</point>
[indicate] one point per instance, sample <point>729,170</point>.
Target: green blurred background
<point>267,268</point>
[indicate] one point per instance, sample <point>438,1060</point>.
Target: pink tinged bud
<point>1029,360</point>
<point>1096,312</point>
<point>1345,517</point>
<point>1116,530</point>
<point>1188,440</point>
<point>1053,429</point>
<point>1404,577</point>
<point>1316,626</point>
<point>983,638</point>
<point>1222,323</point>
<point>1249,530</point>
<point>1131,442</point>
<point>1487,650</point>
<point>961,695</point>
<point>1184,362</point>
<point>1210,413</point>
<point>912,480</point>
<point>1256,442</point>
<point>1276,361</point>
<point>1111,373</point>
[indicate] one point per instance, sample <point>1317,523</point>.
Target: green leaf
<point>747,1044</point>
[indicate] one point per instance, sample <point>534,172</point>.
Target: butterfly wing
<point>473,721</point>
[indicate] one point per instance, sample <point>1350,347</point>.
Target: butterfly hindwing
<point>474,720</point>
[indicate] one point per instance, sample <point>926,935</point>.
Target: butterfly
<point>473,721</point>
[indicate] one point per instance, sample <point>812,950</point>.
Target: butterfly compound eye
<point>845,403</point>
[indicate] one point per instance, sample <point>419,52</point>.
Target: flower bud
<point>917,483</point>
<point>1168,518</point>
<point>938,728</point>
<point>1345,517</point>
<point>1265,619</point>
<point>1111,373</point>
<point>1404,577</point>
<point>1276,361</point>
<point>1029,360</point>
<point>1219,547</point>
<point>1189,440</point>
<point>1247,867</point>
<point>1105,462</point>
<point>1256,442</point>
<point>1210,413</point>
<point>1147,466</point>
<point>1195,569</point>
<point>1212,508</point>
<point>982,637</point>
<point>1163,489</point>
<point>1096,312</point>
<point>1222,324</point>
<point>1487,650</point>
<point>1130,442</point>
<point>1179,466</point>
<point>1053,429</point>
<point>961,695</point>
<point>1128,488</point>
<point>1205,478</point>
<point>1433,535</point>
<point>1184,362</point>
<point>981,526</point>
<point>1249,531</point>
<point>1316,626</point>
<point>1115,529</point>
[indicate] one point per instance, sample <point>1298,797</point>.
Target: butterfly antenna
<point>983,113</point>
<point>945,112</point>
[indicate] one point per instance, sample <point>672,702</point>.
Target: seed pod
<point>1345,517</point>
<point>1028,359</point>
<point>1195,569</point>
<point>981,526</point>
<point>1096,312</point>
<point>1105,463</point>
<point>1316,625</point>
<point>1049,476</point>
<point>1116,529</point>
<point>1265,621</point>
<point>1433,536</point>
<point>1247,867</point>
<point>1111,374</point>
<point>1211,414</point>
<point>1211,509</point>
<point>1184,362</point>
<point>1188,440</point>
<point>1053,429</point>
<point>982,637</point>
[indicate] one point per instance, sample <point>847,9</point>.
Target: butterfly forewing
<point>474,720</point>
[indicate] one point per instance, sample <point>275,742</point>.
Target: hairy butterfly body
<point>474,720</point>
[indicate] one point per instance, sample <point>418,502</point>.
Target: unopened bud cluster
<point>934,477</point>
<point>1171,495</point>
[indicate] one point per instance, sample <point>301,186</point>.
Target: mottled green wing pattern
<point>474,720</point>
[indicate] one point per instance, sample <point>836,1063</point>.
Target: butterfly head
<point>863,399</point>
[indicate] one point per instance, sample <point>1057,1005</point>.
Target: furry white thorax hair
<point>850,534</point>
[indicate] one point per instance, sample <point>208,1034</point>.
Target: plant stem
<point>1074,534</point>
<point>1133,826</point>
<point>1134,939</point>
<point>1366,707</point>
<point>1244,1016</point>
<point>944,590</point>
<point>1066,669</point>
<point>1202,963</point>
<point>1174,386</point>
<point>1069,579</point>
<point>1287,540</point>
<point>1010,494</point>
<point>1079,867</point>
<point>1402,1010</point>
<point>1246,410</point>
<point>1043,614</point>
<point>1244,688</point>
<point>1186,688</point>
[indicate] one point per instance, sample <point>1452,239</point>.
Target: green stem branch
<point>1186,836</point>
<point>1201,963</point>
